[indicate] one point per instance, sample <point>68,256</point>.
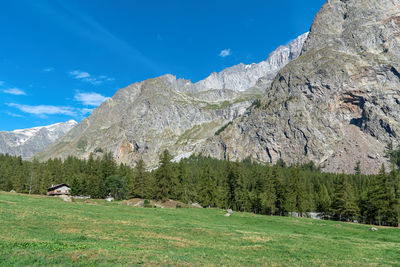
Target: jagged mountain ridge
<point>336,104</point>
<point>141,120</point>
<point>28,142</point>
<point>241,77</point>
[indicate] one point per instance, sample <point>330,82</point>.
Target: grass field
<point>39,230</point>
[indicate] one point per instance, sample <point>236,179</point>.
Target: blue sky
<point>60,59</point>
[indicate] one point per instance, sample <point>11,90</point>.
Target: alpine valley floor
<point>44,231</point>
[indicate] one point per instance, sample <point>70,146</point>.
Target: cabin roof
<point>53,187</point>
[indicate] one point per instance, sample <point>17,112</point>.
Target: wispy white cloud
<point>225,52</point>
<point>79,74</point>
<point>90,99</point>
<point>87,77</point>
<point>14,91</point>
<point>48,69</point>
<point>15,115</point>
<point>43,110</point>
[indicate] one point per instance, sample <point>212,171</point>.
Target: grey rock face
<point>241,77</point>
<point>28,142</point>
<point>145,118</point>
<point>343,89</point>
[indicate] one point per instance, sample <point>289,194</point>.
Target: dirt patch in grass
<point>169,203</point>
<point>90,202</point>
<point>136,222</point>
<point>131,202</point>
<point>253,247</point>
<point>79,255</point>
<point>8,202</point>
<point>257,239</point>
<point>71,230</point>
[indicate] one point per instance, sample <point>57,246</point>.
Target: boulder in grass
<point>227,214</point>
<point>196,205</point>
<point>65,198</point>
<point>140,204</point>
<point>373,229</point>
<point>229,211</point>
<point>109,199</point>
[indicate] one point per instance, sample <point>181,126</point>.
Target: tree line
<point>242,186</point>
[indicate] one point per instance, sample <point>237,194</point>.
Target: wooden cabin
<point>58,190</point>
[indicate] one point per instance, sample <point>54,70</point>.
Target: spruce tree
<point>296,194</point>
<point>231,184</point>
<point>207,187</point>
<point>382,204</point>
<point>280,190</point>
<point>164,176</point>
<point>344,206</point>
<point>268,193</point>
<point>139,181</point>
<point>323,199</point>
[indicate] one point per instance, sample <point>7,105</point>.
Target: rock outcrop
<point>28,142</point>
<point>339,102</point>
<point>145,118</point>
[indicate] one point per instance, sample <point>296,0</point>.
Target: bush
<point>256,103</point>
<point>223,128</point>
<point>147,204</point>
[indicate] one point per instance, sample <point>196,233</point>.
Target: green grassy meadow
<point>45,231</point>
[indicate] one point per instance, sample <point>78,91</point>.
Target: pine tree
<point>344,206</point>
<point>207,187</point>
<point>231,184</point>
<point>280,189</point>
<point>268,194</point>
<point>296,194</point>
<point>139,181</point>
<point>323,199</point>
<point>382,204</point>
<point>164,176</point>
<point>183,190</point>
<point>116,186</point>
<point>357,169</point>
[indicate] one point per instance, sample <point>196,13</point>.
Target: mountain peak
<point>342,23</point>
<point>27,142</point>
<point>242,77</point>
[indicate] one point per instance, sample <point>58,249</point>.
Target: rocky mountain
<point>143,119</point>
<point>336,104</point>
<point>241,77</point>
<point>28,142</point>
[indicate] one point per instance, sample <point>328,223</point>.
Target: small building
<point>58,190</point>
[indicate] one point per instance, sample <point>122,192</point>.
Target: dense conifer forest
<point>242,186</point>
